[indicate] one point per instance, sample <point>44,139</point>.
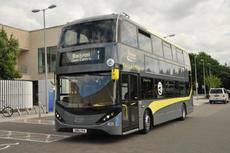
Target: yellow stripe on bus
<point>159,104</point>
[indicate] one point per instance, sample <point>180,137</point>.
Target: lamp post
<point>209,69</point>
<point>172,35</point>
<point>204,76</point>
<point>196,78</point>
<point>44,39</point>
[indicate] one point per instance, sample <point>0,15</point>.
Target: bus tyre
<point>146,122</point>
<point>183,113</point>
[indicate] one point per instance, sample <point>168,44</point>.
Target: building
<point>31,59</point>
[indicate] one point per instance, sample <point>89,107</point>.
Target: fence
<point>17,94</point>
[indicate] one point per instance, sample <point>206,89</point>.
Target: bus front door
<point>129,97</point>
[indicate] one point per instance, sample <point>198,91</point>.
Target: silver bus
<point>115,76</point>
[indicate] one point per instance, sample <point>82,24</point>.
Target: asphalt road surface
<point>206,130</point>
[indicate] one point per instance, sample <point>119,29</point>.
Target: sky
<point>198,25</point>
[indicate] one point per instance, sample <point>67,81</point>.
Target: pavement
<point>199,100</point>
<point>206,130</point>
<point>25,114</point>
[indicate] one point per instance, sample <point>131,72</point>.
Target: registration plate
<point>75,130</point>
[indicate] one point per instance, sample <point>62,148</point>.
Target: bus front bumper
<point>112,126</point>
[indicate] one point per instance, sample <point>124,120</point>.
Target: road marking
<point>7,145</point>
<point>35,121</point>
<point>29,136</point>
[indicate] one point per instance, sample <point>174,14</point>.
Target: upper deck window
<point>128,34</point>
<point>180,56</point>
<point>167,50</point>
<point>144,41</point>
<point>186,59</point>
<point>174,53</point>
<point>102,31</point>
<point>157,45</point>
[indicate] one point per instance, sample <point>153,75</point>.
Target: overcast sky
<point>199,25</point>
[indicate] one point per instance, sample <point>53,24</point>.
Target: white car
<point>218,95</point>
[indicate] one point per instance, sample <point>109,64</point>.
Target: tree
<point>212,81</point>
<point>9,50</point>
<point>212,67</point>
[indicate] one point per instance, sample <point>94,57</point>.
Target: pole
<point>196,79</point>
<point>204,79</point>
<point>210,70</point>
<point>39,109</point>
<point>46,71</point>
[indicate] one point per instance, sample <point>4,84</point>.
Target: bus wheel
<point>183,113</point>
<point>146,122</point>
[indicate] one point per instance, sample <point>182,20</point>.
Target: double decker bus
<point>115,76</point>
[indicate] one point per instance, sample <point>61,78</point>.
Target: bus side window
<point>128,34</point>
<point>147,88</point>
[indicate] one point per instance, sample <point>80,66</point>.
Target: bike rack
<point>18,110</point>
<point>27,111</point>
<point>35,110</point>
<point>42,107</point>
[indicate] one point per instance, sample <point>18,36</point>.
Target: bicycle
<point>6,111</point>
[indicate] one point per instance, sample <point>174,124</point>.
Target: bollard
<point>39,109</point>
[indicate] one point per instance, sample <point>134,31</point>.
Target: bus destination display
<point>88,56</point>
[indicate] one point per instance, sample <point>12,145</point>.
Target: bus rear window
<point>216,91</point>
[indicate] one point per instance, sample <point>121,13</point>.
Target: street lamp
<point>196,77</point>
<point>172,35</point>
<point>44,37</point>
<point>209,69</point>
<point>202,60</point>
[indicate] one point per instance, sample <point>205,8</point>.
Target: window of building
<point>128,34</point>
<point>23,69</point>
<point>51,59</point>
<point>144,41</point>
<point>157,45</point>
<point>167,50</point>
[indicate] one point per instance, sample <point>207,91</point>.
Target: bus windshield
<point>102,31</point>
<point>88,90</point>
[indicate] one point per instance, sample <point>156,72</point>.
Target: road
<point>206,130</point>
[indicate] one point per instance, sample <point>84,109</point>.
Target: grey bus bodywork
<point>124,116</point>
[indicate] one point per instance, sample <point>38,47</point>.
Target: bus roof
<point>114,16</point>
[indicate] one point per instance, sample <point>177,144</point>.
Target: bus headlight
<point>58,116</point>
<point>107,117</point>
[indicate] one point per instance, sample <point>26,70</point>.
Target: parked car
<point>218,95</point>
